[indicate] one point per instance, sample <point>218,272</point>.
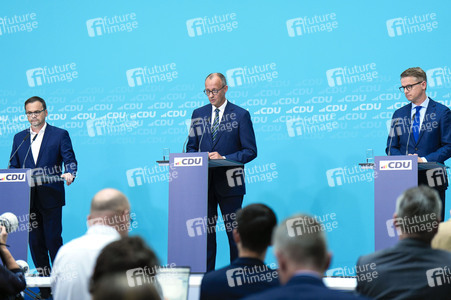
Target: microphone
<point>23,166</point>
<point>20,145</point>
<point>202,136</point>
<point>194,122</point>
<point>410,132</point>
<point>392,135</point>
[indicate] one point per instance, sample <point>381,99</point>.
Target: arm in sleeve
<point>248,149</point>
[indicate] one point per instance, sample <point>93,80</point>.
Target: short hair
<point>306,246</point>
<point>416,72</point>
<point>109,200</point>
<point>34,99</point>
<point>256,223</point>
<point>220,75</point>
<point>123,255</point>
<point>417,209</point>
<point>117,287</point>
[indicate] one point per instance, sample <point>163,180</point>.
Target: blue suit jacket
<point>56,149</point>
<point>235,140</point>
<point>434,142</point>
<point>215,284</point>
<point>406,271</point>
<point>304,287</point>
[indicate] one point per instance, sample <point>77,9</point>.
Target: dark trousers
<point>228,206</point>
<point>45,236</point>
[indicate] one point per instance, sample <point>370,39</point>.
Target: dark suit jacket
<point>402,272</point>
<point>215,284</point>
<point>56,149</point>
<point>303,287</point>
<point>434,142</point>
<point>235,140</point>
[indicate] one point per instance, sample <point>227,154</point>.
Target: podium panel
<point>15,198</point>
<point>392,176</point>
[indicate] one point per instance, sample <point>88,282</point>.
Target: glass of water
<point>369,156</point>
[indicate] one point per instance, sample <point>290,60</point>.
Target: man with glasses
<point>225,131</point>
<point>44,149</point>
<point>422,128</point>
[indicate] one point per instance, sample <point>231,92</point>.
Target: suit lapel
<point>29,158</point>
<point>45,138</point>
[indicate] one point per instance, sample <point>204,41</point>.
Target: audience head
<point>111,207</point>
<point>418,213</point>
<point>300,244</point>
<point>118,287</point>
<point>256,223</point>
<point>125,255</point>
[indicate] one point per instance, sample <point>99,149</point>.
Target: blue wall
<point>319,79</point>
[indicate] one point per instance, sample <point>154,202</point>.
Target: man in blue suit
<point>302,255</point>
<point>44,149</point>
<point>225,131</point>
<point>248,274</point>
<point>422,128</point>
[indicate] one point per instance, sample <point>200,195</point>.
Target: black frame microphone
<point>32,141</point>
<point>20,145</point>
<point>202,136</point>
<point>195,121</point>
<point>410,132</point>
<point>392,129</point>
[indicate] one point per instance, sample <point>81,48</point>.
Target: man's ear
<point>236,236</point>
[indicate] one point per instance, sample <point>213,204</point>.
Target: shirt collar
<point>42,131</point>
<point>424,104</point>
<point>221,108</point>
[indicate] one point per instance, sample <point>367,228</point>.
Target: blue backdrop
<point>319,79</point>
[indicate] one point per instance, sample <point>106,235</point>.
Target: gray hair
<point>301,239</point>
<point>220,75</point>
<point>417,208</point>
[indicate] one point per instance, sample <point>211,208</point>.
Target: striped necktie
<point>416,124</point>
<point>215,127</point>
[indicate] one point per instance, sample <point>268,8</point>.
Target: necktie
<point>416,123</point>
<point>215,127</point>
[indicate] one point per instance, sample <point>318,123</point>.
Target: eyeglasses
<point>214,92</point>
<point>408,87</point>
<point>34,113</point>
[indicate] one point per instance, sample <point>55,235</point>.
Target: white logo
<point>235,277</point>
<point>109,25</point>
<point>309,25</point>
<point>18,23</point>
<point>55,74</point>
<point>251,75</point>
<point>209,25</point>
<point>155,74</point>
<point>438,276</point>
<point>410,25</point>
<point>135,177</point>
<point>235,177</point>
<point>349,75</point>
<point>335,177</point>
<point>196,227</point>
<point>438,76</point>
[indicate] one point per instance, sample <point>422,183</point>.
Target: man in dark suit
<point>422,128</point>
<point>411,269</point>
<point>247,274</point>
<point>301,252</point>
<point>225,131</point>
<point>44,149</point>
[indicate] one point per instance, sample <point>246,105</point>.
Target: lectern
<point>15,198</point>
<point>188,203</point>
<point>392,176</point>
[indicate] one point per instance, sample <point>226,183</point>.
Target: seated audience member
<point>12,279</point>
<point>130,256</point>
<point>108,220</point>
<point>411,269</point>
<point>255,224</point>
<point>442,240</point>
<point>117,287</point>
<point>301,252</point>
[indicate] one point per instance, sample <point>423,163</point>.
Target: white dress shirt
<point>36,145</point>
<point>221,112</point>
<point>422,114</point>
<point>75,262</point>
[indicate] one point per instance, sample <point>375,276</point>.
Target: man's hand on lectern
<point>214,155</point>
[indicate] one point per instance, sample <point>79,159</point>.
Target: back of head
<point>129,254</point>
<point>119,287</point>
<point>416,72</point>
<point>301,240</point>
<point>110,207</point>
<point>418,212</point>
<point>256,223</point>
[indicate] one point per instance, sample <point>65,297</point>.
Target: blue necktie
<point>214,129</point>
<point>416,124</point>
